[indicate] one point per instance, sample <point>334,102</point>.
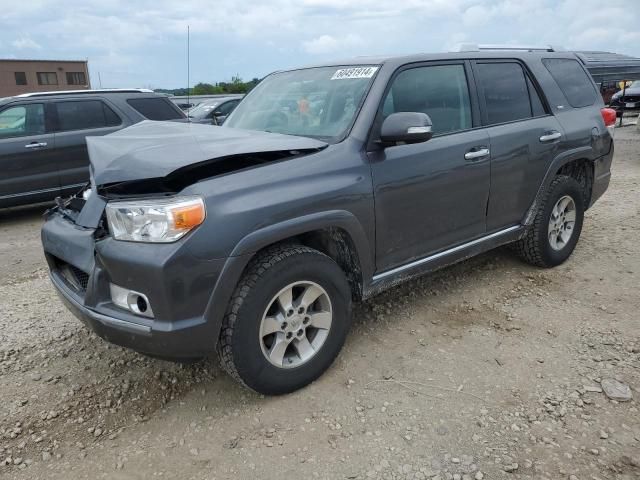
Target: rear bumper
<point>600,185</point>
<point>181,290</point>
<point>601,175</point>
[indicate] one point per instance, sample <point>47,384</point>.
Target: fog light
<point>135,302</point>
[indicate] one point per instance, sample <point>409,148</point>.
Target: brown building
<point>27,76</point>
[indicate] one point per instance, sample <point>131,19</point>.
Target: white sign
<point>354,72</point>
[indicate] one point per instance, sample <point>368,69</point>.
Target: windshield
<point>202,110</point>
<point>315,102</point>
<point>635,84</point>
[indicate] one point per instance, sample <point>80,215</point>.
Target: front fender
<point>261,238</point>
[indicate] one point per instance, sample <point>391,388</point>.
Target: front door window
<point>22,121</point>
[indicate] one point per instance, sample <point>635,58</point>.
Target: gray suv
<point>43,153</point>
<point>325,186</point>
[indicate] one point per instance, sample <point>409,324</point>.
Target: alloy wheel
<point>295,324</point>
<point>562,222</point>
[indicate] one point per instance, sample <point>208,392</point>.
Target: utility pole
<point>188,72</point>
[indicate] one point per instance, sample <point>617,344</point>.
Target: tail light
<point>609,116</point>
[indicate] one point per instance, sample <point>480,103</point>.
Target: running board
<point>395,276</point>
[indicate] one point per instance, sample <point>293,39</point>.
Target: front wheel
<point>287,320</point>
<point>556,228</point>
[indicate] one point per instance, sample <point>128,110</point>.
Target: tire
<point>536,246</point>
<point>250,356</point>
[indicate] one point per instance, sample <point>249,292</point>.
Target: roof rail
<point>474,47</point>
<point>74,92</point>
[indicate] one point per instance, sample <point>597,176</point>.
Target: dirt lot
<point>489,369</point>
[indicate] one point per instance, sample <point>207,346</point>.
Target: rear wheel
<point>287,320</point>
<point>556,228</point>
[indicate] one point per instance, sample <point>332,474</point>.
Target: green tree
<point>204,89</point>
<point>236,85</point>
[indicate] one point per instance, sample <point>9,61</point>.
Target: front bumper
<point>179,287</point>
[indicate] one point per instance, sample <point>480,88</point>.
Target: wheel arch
<point>575,163</point>
<point>336,233</point>
<point>582,170</point>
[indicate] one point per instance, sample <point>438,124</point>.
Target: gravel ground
<point>489,369</point>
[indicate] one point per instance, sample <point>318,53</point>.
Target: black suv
<point>43,152</point>
<point>326,185</point>
<point>627,99</point>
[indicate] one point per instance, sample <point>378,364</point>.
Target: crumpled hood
<point>155,149</point>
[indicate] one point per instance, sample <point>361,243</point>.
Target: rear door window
<point>505,92</point>
<point>440,91</point>
<point>156,108</point>
<point>22,120</point>
<point>85,114</point>
<point>572,80</point>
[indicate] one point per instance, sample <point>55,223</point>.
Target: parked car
<point>184,106</point>
<point>607,90</point>
<point>43,153</point>
<point>257,237</point>
<point>214,111</point>
<point>627,99</point>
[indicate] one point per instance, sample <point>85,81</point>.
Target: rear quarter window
<point>155,108</point>
<point>572,80</point>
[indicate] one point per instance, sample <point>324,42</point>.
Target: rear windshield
<point>156,108</point>
<point>572,80</point>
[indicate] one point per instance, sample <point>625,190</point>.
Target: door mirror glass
<point>406,127</point>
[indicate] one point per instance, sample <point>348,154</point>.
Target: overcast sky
<point>142,43</point>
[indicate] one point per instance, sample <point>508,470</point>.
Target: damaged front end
<point>151,299</point>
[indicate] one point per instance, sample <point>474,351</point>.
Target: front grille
<point>73,276</point>
<point>631,98</point>
<point>81,277</point>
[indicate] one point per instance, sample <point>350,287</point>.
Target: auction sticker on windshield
<point>354,72</point>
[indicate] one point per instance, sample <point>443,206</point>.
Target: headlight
<point>159,221</point>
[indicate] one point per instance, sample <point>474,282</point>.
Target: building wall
<point>31,68</point>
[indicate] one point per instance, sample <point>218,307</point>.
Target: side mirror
<point>406,127</point>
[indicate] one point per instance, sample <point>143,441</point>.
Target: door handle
<point>550,136</point>
<point>477,154</point>
<point>36,145</point>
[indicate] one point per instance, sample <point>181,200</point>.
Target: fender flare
<point>581,153</point>
<point>263,237</point>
